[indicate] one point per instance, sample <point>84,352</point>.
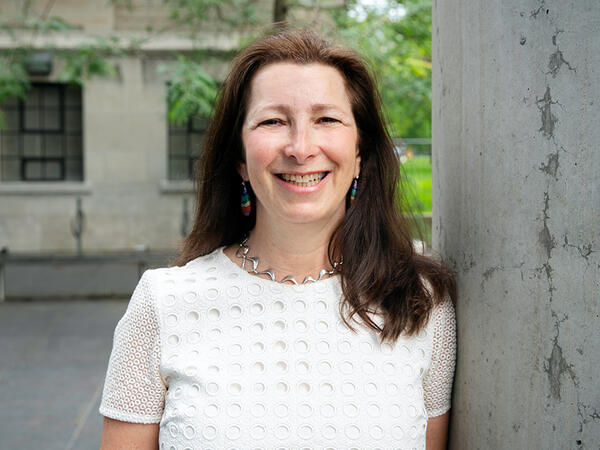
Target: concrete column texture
<point>516,167</point>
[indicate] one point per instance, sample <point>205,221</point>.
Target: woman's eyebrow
<point>318,107</point>
<point>272,107</point>
<point>280,107</point>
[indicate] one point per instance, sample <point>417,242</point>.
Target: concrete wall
<point>516,105</point>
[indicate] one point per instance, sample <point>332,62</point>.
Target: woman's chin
<point>310,214</point>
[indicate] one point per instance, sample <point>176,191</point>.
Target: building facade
<point>102,158</point>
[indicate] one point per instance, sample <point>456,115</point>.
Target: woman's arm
<point>134,391</point>
<point>437,432</point>
<point>437,384</point>
<point>117,435</point>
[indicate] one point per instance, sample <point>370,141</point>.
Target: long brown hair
<point>381,271</point>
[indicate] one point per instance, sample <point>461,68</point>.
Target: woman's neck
<point>292,249</point>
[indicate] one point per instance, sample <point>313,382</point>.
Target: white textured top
<point>227,360</point>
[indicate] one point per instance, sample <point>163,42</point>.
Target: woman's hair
<point>380,270</point>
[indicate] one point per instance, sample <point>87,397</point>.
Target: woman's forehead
<point>285,84</point>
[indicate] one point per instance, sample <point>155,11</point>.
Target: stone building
<point>108,142</point>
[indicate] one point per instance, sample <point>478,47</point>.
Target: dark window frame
<point>61,108</point>
<point>20,131</point>
<point>187,131</point>
<point>47,159</point>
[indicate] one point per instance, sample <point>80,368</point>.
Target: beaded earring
<point>246,207</point>
<point>353,190</point>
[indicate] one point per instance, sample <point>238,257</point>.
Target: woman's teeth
<point>303,180</point>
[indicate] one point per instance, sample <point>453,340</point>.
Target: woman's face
<point>300,143</point>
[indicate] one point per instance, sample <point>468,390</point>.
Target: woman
<point>299,176</point>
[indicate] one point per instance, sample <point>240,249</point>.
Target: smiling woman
<point>300,146</point>
<point>228,348</point>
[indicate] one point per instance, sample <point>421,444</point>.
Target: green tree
<point>396,38</point>
<point>191,89</point>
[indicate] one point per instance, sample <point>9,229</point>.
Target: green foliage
<point>40,25</point>
<point>227,12</point>
<point>395,36</point>
<point>399,49</point>
<point>417,171</point>
<point>13,83</point>
<point>191,90</point>
<point>13,79</point>
<point>86,61</point>
<point>50,25</point>
<point>90,60</point>
<point>196,14</point>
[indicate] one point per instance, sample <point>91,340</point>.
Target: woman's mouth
<point>303,180</point>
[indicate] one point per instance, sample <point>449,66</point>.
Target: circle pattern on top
<point>251,363</point>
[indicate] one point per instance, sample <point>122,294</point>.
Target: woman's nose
<point>301,145</point>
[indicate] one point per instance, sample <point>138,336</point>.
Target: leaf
<point>190,91</point>
<point>13,80</point>
<point>400,52</point>
<point>90,60</point>
<point>13,83</point>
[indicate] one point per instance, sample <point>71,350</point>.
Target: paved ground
<point>53,358</point>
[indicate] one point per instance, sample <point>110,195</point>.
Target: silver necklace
<point>242,253</point>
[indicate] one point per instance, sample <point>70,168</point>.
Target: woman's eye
<point>328,120</point>
<point>271,122</point>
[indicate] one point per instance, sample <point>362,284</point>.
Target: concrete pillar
<point>516,167</point>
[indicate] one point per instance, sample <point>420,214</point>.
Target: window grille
<point>41,139</point>
<point>185,146</point>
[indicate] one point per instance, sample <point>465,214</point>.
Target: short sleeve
<point>437,384</point>
<point>133,389</point>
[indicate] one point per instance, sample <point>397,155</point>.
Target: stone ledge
<point>176,187</point>
<point>127,41</point>
<point>45,188</point>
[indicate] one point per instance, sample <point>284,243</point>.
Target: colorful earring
<point>246,207</point>
<point>353,190</point>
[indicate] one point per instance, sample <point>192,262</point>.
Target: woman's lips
<point>302,182</point>
<point>307,180</point>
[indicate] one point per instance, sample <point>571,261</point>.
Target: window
<point>185,145</point>
<point>42,137</point>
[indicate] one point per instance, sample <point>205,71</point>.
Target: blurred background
<point>104,106</point>
<point>103,110</point>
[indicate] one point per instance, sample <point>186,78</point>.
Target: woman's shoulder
<point>173,278</point>
<point>210,262</point>
<point>442,310</point>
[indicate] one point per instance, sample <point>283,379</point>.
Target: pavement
<point>53,359</point>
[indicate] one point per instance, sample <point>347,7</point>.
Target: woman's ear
<point>242,170</point>
<point>357,167</point>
